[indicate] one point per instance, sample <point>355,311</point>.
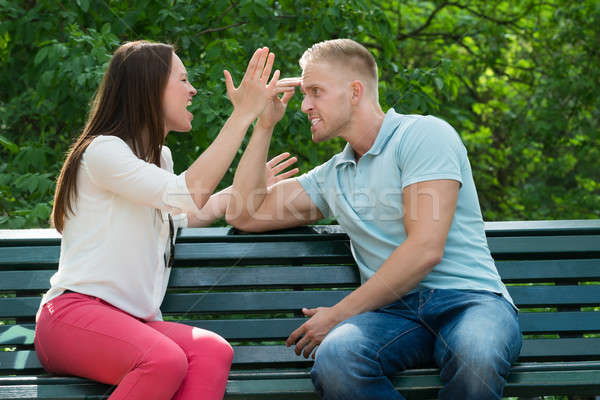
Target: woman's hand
<point>275,166</point>
<point>254,93</point>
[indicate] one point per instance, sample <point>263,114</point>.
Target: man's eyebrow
<point>304,88</point>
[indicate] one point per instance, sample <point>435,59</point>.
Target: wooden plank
<point>207,302</point>
<point>271,276</point>
<point>269,301</point>
<point>521,228</point>
<point>300,387</point>
<point>560,322</point>
<point>533,349</point>
<point>561,382</point>
<point>26,280</point>
<point>584,245</point>
<point>251,301</point>
<point>564,349</point>
<point>17,334</point>
<point>330,251</point>
<point>548,296</point>
<point>504,228</point>
<point>89,390</point>
<point>210,277</point>
<point>280,328</point>
<point>317,275</point>
<point>263,252</point>
<point>29,256</point>
<point>549,270</point>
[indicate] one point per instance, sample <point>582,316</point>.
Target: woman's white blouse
<point>113,246</point>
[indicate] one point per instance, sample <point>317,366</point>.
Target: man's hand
<point>311,333</point>
<point>275,166</point>
<point>274,110</point>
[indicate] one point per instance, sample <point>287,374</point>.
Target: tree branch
<point>402,36</point>
<point>222,28</point>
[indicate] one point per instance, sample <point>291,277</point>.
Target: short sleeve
<point>314,182</point>
<point>110,164</point>
<point>430,150</point>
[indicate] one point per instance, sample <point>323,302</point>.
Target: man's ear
<point>358,90</point>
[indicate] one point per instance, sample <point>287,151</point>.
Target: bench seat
<point>250,289</point>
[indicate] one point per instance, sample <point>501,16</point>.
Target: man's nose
<point>306,105</point>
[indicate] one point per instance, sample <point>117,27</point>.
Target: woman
<point>114,202</point>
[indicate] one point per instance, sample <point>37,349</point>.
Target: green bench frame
<point>250,288</point>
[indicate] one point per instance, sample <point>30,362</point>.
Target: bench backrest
<point>251,288</point>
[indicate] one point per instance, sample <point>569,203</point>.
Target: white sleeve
<point>112,165</point>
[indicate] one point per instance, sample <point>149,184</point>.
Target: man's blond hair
<point>348,54</point>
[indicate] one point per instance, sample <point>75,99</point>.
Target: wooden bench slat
<point>56,391</point>
<point>549,270</point>
<point>317,275</point>
<point>540,245</point>
<point>280,328</point>
<point>532,296</point>
<point>332,251</point>
<point>492,228</point>
<point>263,252</point>
<point>533,349</point>
<point>519,383</point>
<point>548,227</point>
<point>559,322</point>
<point>266,301</point>
<point>207,302</point>
<point>30,256</point>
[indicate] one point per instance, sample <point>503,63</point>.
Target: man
<point>403,191</point>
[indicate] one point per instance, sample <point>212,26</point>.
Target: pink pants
<point>84,336</point>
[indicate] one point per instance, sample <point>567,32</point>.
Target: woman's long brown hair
<point>128,104</point>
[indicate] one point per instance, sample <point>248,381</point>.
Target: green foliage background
<point>517,79</point>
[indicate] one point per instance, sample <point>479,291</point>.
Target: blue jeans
<point>472,336</point>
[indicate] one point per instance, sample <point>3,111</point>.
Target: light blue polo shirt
<point>366,200</point>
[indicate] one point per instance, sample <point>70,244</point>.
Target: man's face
<point>327,96</point>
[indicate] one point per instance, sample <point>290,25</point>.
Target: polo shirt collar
<point>388,127</point>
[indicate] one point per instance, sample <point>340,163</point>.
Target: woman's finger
<point>251,68</point>
<point>267,69</point>
<point>228,82</point>
<point>260,64</point>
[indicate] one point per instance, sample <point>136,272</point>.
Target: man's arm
<point>428,213</point>
<point>255,207</point>
<point>216,206</point>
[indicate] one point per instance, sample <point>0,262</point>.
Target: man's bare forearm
<point>249,183</point>
<point>215,208</point>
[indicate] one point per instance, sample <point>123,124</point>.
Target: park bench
<point>250,288</point>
